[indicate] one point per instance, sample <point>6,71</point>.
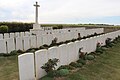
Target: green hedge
<point>17,27</point>
<point>3,29</point>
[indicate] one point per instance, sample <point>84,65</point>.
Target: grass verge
<point>9,68</point>
<point>104,67</point>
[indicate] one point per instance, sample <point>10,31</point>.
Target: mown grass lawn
<point>9,68</point>
<point>104,67</point>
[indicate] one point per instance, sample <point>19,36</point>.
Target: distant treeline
<point>17,27</point>
<point>21,27</point>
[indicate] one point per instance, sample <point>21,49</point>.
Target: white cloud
<point>58,10</point>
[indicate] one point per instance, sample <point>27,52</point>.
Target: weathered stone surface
<point>41,57</point>
<point>26,66</point>
<point>3,46</point>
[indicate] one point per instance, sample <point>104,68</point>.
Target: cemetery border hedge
<point>21,27</point>
<point>17,27</point>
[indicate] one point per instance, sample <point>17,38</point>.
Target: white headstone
<point>26,66</point>
<point>90,45</point>
<point>10,44</point>
<point>6,35</point>
<point>45,39</point>
<point>3,46</point>
<point>22,34</point>
<point>77,47</point>
<point>60,39</point>
<point>39,41</point>
<point>50,38</point>
<point>12,35</point>
<point>83,44</point>
<point>69,37</point>
<point>57,35</point>
<point>71,52</point>
<point>17,34</point>
<point>19,43</point>
<point>62,49</point>
<point>26,41</point>
<point>53,53</point>
<point>27,33</point>
<point>33,41</point>
<point>41,57</point>
<point>93,44</point>
<point>1,36</point>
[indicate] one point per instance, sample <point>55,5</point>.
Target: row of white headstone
<point>29,66</point>
<point>42,32</point>
<point>84,32</point>
<point>13,35</point>
<point>69,30</point>
<point>26,41</point>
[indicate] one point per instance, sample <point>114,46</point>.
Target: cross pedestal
<point>36,26</point>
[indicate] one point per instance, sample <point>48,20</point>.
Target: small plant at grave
<point>20,51</point>
<point>58,73</point>
<point>62,72</point>
<point>79,36</point>
<point>91,35</point>
<point>42,47</point>
<point>82,54</point>
<point>69,67</point>
<point>108,42</point>
<point>92,53</point>
<point>88,36</point>
<point>73,40</point>
<point>84,37</point>
<point>59,43</point>
<point>95,34</point>
<point>68,30</point>
<point>117,39</point>
<point>76,65</point>
<point>79,39</point>
<point>33,34</point>
<point>54,42</point>
<point>4,55</point>
<point>30,50</point>
<point>53,73</point>
<point>82,61</point>
<point>14,52</point>
<point>55,27</point>
<point>99,48</point>
<point>67,41</point>
<point>50,65</point>
<point>90,57</point>
<point>45,46</point>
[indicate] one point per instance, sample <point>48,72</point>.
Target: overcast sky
<point>62,11</point>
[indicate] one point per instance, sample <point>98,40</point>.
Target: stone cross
<point>36,18</point>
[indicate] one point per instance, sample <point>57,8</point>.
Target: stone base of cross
<point>36,26</point>
<point>36,29</point>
